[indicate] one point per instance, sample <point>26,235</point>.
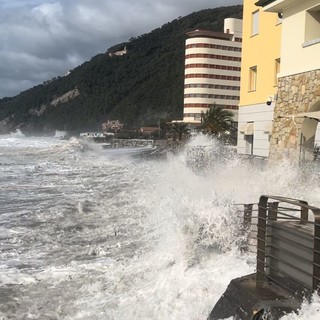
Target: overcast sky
<point>41,39</point>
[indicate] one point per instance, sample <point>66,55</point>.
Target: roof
<point>247,129</point>
<point>209,34</point>
<point>149,129</point>
<point>315,115</point>
<point>262,3</point>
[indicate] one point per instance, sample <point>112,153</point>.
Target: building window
<point>276,71</point>
<point>312,29</point>
<point>213,46</point>
<point>253,78</point>
<point>255,23</point>
<point>211,76</point>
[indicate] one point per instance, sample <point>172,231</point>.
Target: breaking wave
<point>99,234</point>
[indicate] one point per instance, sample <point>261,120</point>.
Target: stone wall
<point>296,94</point>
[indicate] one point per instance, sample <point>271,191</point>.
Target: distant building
<point>111,126</point>
<point>119,52</point>
<point>149,131</point>
<point>212,70</point>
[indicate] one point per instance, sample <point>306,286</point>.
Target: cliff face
<point>7,126</point>
<point>65,97</point>
<point>142,87</point>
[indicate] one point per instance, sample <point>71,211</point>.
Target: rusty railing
<point>285,234</point>
<point>288,243</point>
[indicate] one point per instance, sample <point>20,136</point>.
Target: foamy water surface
<point>88,233</point>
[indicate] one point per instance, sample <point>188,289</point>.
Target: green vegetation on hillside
<point>142,87</point>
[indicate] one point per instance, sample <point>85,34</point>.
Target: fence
<point>286,236</point>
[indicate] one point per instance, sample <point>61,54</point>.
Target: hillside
<point>141,87</point>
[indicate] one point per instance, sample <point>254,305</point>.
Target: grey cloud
<point>40,39</point>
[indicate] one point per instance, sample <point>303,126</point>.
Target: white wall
<point>204,70</point>
<point>298,54</point>
<point>233,25</point>
<point>260,115</point>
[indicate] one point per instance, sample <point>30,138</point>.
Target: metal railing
<point>249,227</point>
<point>287,235</point>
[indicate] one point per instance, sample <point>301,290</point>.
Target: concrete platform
<point>244,299</point>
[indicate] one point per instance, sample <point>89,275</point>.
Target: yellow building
<point>297,109</point>
<point>260,65</point>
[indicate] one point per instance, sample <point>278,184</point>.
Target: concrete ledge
<point>245,300</point>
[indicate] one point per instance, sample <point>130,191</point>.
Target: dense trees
<point>144,86</point>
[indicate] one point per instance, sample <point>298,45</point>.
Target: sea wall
<point>296,94</point>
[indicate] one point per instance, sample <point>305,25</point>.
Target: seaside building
<point>297,108</point>
<point>260,67</point>
<point>212,70</point>
<point>111,126</point>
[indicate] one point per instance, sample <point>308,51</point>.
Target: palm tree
<point>179,131</point>
<point>216,120</point>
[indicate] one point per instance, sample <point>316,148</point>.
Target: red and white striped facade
<point>212,70</point>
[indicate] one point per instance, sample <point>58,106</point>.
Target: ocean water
<point>92,233</point>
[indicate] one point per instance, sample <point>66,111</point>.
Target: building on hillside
<point>260,67</point>
<point>112,126</point>
<point>122,52</point>
<point>297,109</point>
<point>149,131</point>
<point>212,70</point>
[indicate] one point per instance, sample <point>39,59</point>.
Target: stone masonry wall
<point>296,93</point>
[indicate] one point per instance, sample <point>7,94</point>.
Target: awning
<point>268,128</point>
<point>262,3</point>
<point>247,129</point>
<point>310,115</point>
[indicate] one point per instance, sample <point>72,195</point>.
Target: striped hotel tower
<point>212,70</point>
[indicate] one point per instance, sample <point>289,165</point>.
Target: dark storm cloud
<point>41,39</point>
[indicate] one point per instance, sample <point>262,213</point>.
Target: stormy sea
<point>92,233</point>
